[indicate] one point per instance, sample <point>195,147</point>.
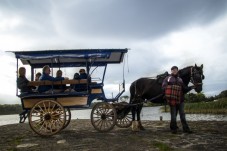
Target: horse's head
<point>197,77</point>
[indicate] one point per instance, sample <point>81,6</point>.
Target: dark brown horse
<point>148,89</point>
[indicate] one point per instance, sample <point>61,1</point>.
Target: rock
<point>26,145</point>
<point>61,141</point>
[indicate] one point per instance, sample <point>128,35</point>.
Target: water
<point>148,113</point>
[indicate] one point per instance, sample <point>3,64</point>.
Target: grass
<point>218,107</point>
<point>162,147</point>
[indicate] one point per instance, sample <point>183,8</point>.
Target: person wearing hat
<point>174,93</point>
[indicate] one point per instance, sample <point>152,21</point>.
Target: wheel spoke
<point>44,106</point>
<point>40,108</point>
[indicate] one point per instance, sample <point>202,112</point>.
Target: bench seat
<point>63,82</point>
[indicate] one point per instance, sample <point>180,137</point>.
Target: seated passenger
<point>81,87</point>
<point>22,81</point>
<point>46,76</point>
<point>83,74</point>
<point>59,87</point>
<point>75,77</point>
<point>37,76</point>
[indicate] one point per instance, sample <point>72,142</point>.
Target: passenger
<point>37,76</point>
<point>59,87</point>
<point>81,87</point>
<point>83,74</point>
<point>46,76</point>
<point>76,76</point>
<point>22,81</point>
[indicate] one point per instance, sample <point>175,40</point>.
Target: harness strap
<point>158,96</point>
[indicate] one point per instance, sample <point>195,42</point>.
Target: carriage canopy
<point>71,58</point>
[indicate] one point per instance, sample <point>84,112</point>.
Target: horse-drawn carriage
<point>49,113</point>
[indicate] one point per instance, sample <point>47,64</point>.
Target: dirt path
<point>80,135</point>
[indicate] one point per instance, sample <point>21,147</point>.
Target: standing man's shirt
<point>175,81</point>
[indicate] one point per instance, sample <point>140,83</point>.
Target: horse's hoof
<point>135,126</point>
<point>140,126</point>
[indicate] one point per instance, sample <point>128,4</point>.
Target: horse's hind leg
<point>135,127</point>
<point>139,109</point>
<point>133,113</point>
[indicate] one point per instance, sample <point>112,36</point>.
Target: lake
<point>148,113</point>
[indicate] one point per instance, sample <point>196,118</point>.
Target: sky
<point>159,33</point>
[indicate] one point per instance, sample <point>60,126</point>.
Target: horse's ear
<point>202,66</point>
<point>196,65</point>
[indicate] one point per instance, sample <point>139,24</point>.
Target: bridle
<point>192,77</point>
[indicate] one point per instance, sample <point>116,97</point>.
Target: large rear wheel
<point>103,117</point>
<point>47,117</point>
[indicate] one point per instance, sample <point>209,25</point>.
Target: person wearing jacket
<point>174,91</point>
<point>22,81</point>
<point>46,76</point>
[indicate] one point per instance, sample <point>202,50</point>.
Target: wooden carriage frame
<point>49,113</point>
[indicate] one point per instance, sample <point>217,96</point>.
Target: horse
<point>150,89</point>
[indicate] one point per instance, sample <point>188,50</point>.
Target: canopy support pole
<point>16,78</point>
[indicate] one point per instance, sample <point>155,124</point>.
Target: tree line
<point>200,97</point>
<point>192,97</point>
<point>7,109</point>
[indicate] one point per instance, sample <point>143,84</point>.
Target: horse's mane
<point>186,68</point>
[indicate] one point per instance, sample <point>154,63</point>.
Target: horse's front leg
<point>139,109</point>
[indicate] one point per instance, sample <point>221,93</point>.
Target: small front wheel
<point>68,117</point>
<point>103,117</point>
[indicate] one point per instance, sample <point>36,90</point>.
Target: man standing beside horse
<point>174,92</point>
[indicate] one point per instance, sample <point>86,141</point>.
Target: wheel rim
<point>103,117</point>
<point>68,117</point>
<point>47,117</point>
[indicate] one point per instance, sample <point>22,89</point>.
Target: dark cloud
<point>136,19</point>
<point>139,25</point>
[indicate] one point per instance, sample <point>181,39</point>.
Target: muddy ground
<point>80,135</point>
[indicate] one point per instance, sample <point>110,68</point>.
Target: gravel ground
<point>80,135</point>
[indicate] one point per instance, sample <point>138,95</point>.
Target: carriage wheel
<point>47,117</point>
<point>68,117</point>
<point>103,117</point>
<point>125,122</point>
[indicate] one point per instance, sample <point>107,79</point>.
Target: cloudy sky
<point>159,33</point>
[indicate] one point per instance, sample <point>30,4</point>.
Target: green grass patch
<point>218,107</point>
<point>162,147</point>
